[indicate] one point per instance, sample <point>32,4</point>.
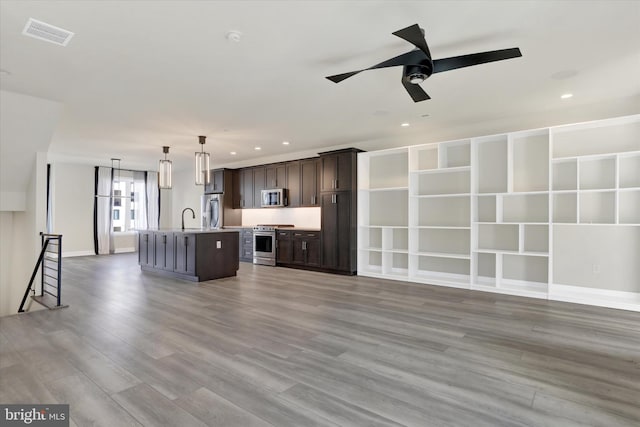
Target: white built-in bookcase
<point>548,213</point>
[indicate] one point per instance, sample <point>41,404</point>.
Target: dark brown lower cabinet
<point>246,245</point>
<point>283,247</point>
<point>298,248</point>
<point>164,244</point>
<point>146,248</point>
<point>193,256</point>
<point>306,248</point>
<point>185,251</point>
<point>338,231</point>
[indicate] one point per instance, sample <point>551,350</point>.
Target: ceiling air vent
<point>47,32</point>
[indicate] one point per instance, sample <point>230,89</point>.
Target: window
<point>117,201</point>
<point>128,184</point>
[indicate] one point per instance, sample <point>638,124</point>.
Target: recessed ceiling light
<point>404,125</point>
<point>285,142</point>
<point>566,96</point>
<point>234,36</point>
<point>233,153</point>
<point>258,148</point>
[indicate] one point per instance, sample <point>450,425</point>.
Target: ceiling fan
<point>418,65</point>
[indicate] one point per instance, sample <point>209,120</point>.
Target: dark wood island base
<point>195,255</point>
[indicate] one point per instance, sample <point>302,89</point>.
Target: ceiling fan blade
<point>413,57</point>
<point>454,62</point>
<point>415,91</point>
<point>340,77</point>
<point>413,34</point>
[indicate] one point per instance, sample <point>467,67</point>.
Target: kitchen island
<point>191,254</point>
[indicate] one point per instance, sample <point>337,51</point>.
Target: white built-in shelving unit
<point>547,213</point>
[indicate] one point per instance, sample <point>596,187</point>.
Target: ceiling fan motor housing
<point>417,74</point>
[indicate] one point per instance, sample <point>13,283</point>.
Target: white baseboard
<point>123,250</point>
<point>77,253</point>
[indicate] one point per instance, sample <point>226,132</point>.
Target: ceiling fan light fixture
<point>417,78</point>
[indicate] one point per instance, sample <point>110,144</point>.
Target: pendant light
<point>164,171</point>
<point>202,164</point>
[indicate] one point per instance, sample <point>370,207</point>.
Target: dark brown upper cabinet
<point>293,183</point>
<point>246,188</point>
<point>259,184</point>
<point>309,182</point>
<point>337,170</point>
<point>276,176</point>
<point>216,181</point>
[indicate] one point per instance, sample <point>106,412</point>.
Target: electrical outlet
<point>218,244</point>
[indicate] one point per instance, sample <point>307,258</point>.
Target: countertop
<point>240,227</point>
<point>192,230</point>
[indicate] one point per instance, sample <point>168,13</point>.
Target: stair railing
<point>51,278</point>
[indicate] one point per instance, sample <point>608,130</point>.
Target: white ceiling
<point>138,75</point>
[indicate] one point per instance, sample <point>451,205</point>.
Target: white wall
<point>185,194</point>
<point>26,126</point>
<point>166,208</point>
<point>20,241</point>
<point>73,189</point>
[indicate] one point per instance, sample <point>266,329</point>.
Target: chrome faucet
<point>183,211</point>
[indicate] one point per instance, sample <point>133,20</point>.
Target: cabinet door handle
<point>164,239</point>
<point>336,184</point>
<point>304,246</point>
<point>186,240</point>
<point>334,198</point>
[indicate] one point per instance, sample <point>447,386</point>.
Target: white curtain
<point>140,200</point>
<point>153,207</point>
<point>103,210</point>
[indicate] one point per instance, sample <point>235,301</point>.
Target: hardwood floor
<point>285,347</point>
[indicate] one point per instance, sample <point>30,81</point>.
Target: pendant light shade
<point>202,164</point>
<point>164,171</point>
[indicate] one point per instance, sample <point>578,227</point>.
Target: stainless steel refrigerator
<point>212,211</point>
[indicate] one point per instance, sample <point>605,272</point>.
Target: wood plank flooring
<point>282,347</point>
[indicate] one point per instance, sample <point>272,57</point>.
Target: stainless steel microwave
<point>273,198</point>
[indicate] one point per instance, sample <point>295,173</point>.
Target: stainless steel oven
<point>264,245</point>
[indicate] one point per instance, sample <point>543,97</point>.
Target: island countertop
<point>190,230</point>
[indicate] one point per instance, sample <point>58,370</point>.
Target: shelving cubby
<point>629,207</point>
<point>565,175</point>
<point>629,170</point>
<point>525,208</point>
<point>438,182</point>
<point>529,161</point>
<point>454,154</point>
<point>597,173</point>
<point>435,270</point>
<point>491,171</point>
<point>394,163</point>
